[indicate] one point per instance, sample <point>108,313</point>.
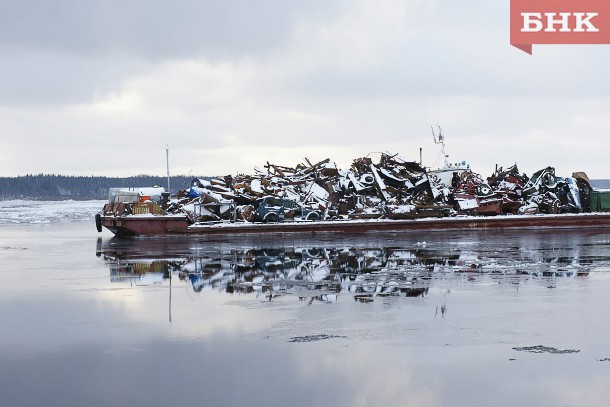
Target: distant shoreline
<point>46,187</point>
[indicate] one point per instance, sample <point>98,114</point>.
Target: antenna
<point>440,140</point>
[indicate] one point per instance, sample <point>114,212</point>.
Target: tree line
<point>60,187</point>
<point>600,183</point>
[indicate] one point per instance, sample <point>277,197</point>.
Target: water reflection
<point>309,273</point>
<point>59,320</point>
<point>363,268</point>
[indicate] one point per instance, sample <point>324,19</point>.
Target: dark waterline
<point>386,319</point>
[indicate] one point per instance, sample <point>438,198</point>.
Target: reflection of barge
<point>364,268</point>
<point>309,273</point>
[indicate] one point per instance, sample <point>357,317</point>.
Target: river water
<point>393,319</point>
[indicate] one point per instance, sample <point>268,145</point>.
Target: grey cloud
<point>45,78</point>
<point>69,51</point>
<point>436,63</point>
<point>151,29</point>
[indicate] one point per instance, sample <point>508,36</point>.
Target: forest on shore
<point>61,187</point>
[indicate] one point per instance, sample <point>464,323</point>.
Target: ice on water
<point>27,211</point>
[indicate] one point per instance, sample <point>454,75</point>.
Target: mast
<point>167,163</point>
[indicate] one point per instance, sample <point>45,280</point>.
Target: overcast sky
<point>101,87</point>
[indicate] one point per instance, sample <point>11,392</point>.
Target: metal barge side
<point>178,225</point>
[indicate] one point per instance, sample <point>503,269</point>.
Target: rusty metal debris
<point>392,188</point>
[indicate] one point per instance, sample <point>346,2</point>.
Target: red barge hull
<point>174,225</point>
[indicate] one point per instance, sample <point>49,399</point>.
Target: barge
<point>392,195</point>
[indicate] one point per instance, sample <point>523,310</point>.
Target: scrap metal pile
<point>393,188</point>
<point>507,191</point>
